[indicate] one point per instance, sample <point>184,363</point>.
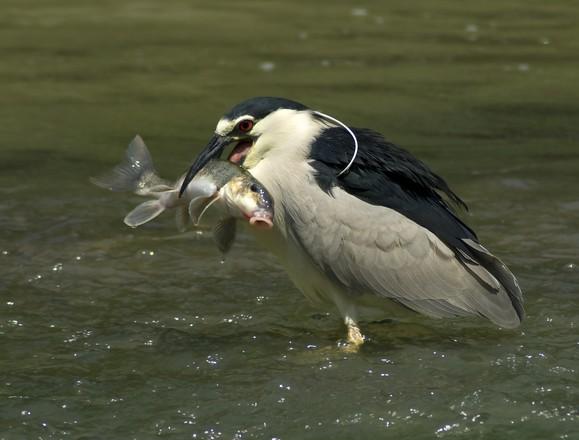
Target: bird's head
<point>259,127</point>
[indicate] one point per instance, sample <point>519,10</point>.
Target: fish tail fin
<point>136,173</point>
<point>143,213</point>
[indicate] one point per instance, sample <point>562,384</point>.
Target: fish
<point>220,182</point>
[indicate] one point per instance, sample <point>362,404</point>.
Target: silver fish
<point>220,182</point>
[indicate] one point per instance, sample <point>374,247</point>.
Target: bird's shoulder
<point>387,175</point>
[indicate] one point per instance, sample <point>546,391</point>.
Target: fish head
<point>246,198</point>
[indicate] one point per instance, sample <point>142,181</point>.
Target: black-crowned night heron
<point>361,223</point>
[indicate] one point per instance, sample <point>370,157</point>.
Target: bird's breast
<point>293,190</point>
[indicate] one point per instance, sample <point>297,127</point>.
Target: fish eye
<point>245,125</point>
<point>254,188</point>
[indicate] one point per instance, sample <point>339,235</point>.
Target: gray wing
<point>370,249</point>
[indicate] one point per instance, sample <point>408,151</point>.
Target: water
<point>108,332</point>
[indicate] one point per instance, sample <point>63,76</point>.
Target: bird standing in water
<point>360,223</point>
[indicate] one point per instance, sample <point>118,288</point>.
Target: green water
<point>112,333</point>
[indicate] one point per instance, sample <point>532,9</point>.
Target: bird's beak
<point>213,150</point>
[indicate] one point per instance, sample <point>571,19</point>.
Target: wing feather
<point>370,249</point>
<point>386,176</point>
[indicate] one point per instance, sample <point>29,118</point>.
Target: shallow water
<point>109,332</point>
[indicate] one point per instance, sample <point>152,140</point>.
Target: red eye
<point>245,125</point>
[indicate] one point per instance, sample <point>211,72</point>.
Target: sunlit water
<point>108,332</point>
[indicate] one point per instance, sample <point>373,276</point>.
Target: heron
<point>361,224</point>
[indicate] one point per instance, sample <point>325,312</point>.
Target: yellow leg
<point>355,336</point>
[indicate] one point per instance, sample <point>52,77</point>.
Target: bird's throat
<point>240,151</point>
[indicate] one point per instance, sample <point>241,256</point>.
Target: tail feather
<point>479,272</point>
<point>499,271</point>
<point>143,213</point>
<point>136,173</point>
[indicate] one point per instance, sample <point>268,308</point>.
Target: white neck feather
<point>283,134</point>
<point>279,161</point>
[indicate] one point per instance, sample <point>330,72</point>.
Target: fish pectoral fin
<point>143,213</point>
<point>182,218</point>
<point>224,234</point>
<point>203,193</point>
<point>161,187</point>
<point>199,205</point>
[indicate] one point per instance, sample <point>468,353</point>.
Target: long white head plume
<point>350,132</point>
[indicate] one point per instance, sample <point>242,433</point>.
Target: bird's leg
<point>355,336</point>
<point>349,312</point>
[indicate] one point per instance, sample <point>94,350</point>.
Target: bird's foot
<point>355,339</point>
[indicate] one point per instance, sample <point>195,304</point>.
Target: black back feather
<point>387,175</point>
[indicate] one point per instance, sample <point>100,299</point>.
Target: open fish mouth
<point>261,220</point>
<point>240,151</point>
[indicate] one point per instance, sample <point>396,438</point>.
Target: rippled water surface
<point>108,332</point>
